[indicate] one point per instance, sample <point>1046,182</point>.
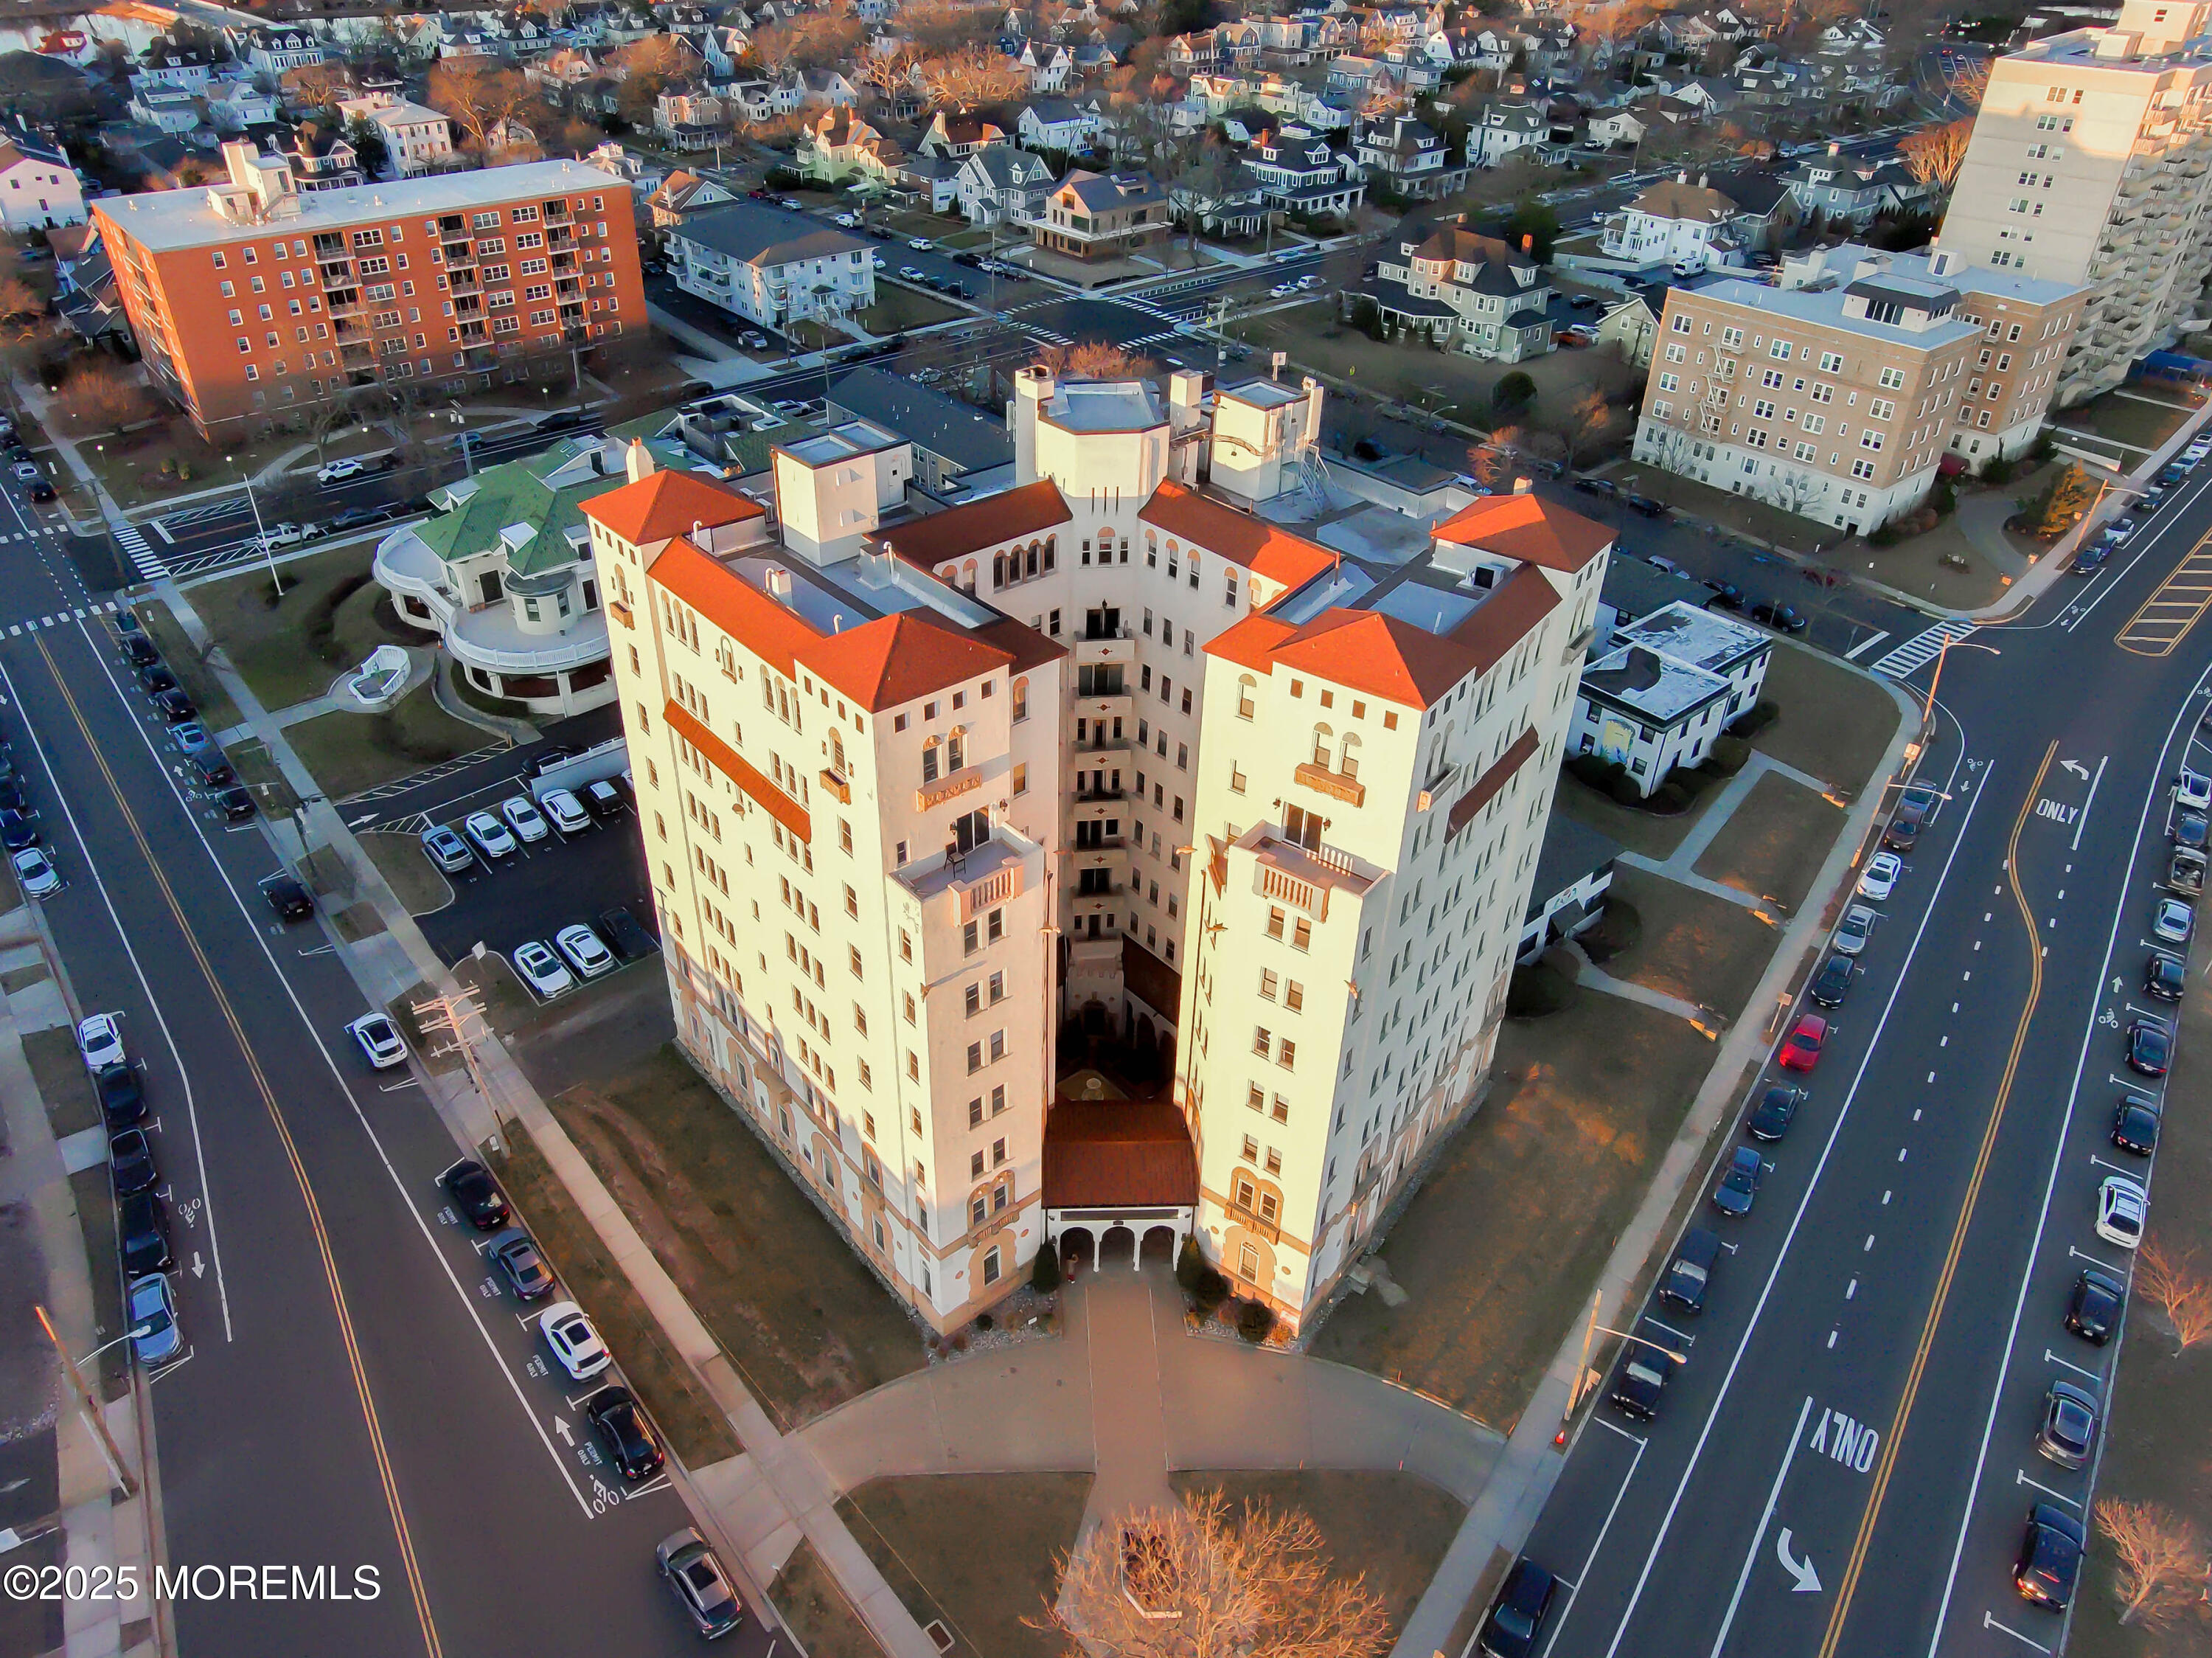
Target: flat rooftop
<point>1654,687</point>
<point>1264,393</point>
<point>1691,633</point>
<point>1116,405</point>
<point>843,442</point>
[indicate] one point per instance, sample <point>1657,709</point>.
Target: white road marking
<point>2021,1476</point>
<point>1773,1495</point>
<point>1989,1622</point>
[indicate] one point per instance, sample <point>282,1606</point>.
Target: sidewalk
<point>1506,1511</point>
<point>755,1506</point>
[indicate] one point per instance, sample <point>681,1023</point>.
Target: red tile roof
<point>1490,784</point>
<point>731,603</point>
<point>1118,1154</point>
<point>899,659</point>
<point>1260,547</point>
<point>732,765</point>
<point>1507,617</point>
<point>1366,651</point>
<point>1250,643</point>
<point>662,504</point>
<point>958,531</point>
<point>1528,527</point>
<point>1027,647</point>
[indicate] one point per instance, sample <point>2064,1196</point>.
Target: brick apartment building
<point>249,299</point>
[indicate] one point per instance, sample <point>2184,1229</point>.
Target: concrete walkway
<point>1684,859</point>
<point>1595,978</point>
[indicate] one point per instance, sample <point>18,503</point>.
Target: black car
<point>1781,617</point>
<point>623,1429</point>
<point>2093,1313</point>
<point>13,798</point>
<point>2135,1124</point>
<point>1690,1274</point>
<point>625,935</point>
<point>1833,983</point>
<point>2164,976</point>
<point>288,897</point>
<point>1771,1121</point>
<point>2150,1047</point>
<point>42,490</point>
<point>138,650</point>
<point>130,1162</point>
<point>214,770</point>
<point>1650,506</point>
<point>174,706</point>
<point>19,830</point>
<point>2089,560</point>
<point>237,804</point>
<point>1903,832</point>
<point>547,758</point>
<point>524,1267</point>
<point>122,1097</point>
<point>970,259</point>
<point>1641,1382</point>
<point>1517,1617</point>
<point>155,676</point>
<point>142,1226</point>
<point>1727,595</point>
<point>356,518</point>
<point>2049,1557</point>
<point>560,420</point>
<point>1604,486</point>
<point>475,1195</point>
<point>1739,1184</point>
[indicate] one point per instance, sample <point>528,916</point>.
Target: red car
<point>1801,1049</point>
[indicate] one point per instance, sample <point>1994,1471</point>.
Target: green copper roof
<point>529,507</point>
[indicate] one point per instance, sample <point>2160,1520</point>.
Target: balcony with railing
<point>1337,785</point>
<point>1303,878</point>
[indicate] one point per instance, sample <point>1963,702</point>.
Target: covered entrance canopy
<point>1125,1167</point>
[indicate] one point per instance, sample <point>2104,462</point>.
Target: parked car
<point>1854,930</point>
<point>2093,1311</point>
<point>699,1585</point>
<point>1641,1382</point>
<point>2069,1430</point>
<point>1650,506</point>
<point>1689,1275</point>
<point>2184,870</point>
<point>584,950</point>
<point>1739,1183</point>
<point>1879,878</point>
<point>2172,921</point>
<point>213,771</point>
<point>475,1195</point>
<point>1903,832</point>
<point>291,900</point>
<point>1831,983</point>
<point>446,849</point>
<point>489,835</point>
<point>603,799</point>
<point>379,1040</point>
<point>142,1230</point>
<point>333,472</point>
<point>523,817</point>
<point>2050,1562</point>
<point>2164,976</point>
<point>2192,790</point>
<point>35,872</point>
<point>138,650</point>
<point>1777,1107</point>
<point>1515,1621</point>
<point>236,803</point>
<point>1801,1049</point>
<point>2135,1124</point>
<point>122,1095</point>
<point>191,739</point>
<point>517,1258</point>
<point>2122,1210</point>
<point>623,934</point>
<point>623,1429</point>
<point>575,1343</point>
<point>540,969</point>
<point>130,1162</point>
<point>566,810</point>
<point>152,1312</point>
<point>173,705</point>
<point>99,1040</point>
<point>1781,617</point>
<point>19,830</point>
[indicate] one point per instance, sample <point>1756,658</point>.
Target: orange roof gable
<point>957,530</point>
<point>1268,551</point>
<point>897,659</point>
<point>732,604</point>
<point>663,504</point>
<point>1366,651</point>
<point>1530,528</point>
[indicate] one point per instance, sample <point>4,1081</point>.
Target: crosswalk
<point>1920,650</point>
<point>144,558</point>
<point>62,617</point>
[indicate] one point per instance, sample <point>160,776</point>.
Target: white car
<point>525,818</point>
<point>2123,1207</point>
<point>848,221</point>
<point>920,244</point>
<point>2172,921</point>
<point>489,834</point>
<point>1880,875</point>
<point>567,811</point>
<point>1854,930</point>
<point>380,1040</point>
<point>1282,289</point>
<point>2118,530</point>
<point>27,473</point>
<point>2192,791</point>
<point>35,870</point>
<point>2196,451</point>
<point>585,951</point>
<point>281,535</point>
<point>540,969</point>
<point>332,471</point>
<point>99,1040</point>
<point>573,1342</point>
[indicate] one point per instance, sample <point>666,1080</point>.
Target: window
<point>1892,380</point>
<point>991,1267</point>
<point>1263,1043</point>
<point>1832,363</point>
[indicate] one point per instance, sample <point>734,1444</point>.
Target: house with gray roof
<point>1482,295</point>
<point>1001,185</point>
<point>950,439</point>
<point>1098,216</point>
<point>771,266</point>
<point>1668,689</point>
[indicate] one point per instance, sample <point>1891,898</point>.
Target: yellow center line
<point>1849,1586</point>
<point>292,1154</point>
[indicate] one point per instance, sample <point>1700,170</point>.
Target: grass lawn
<point>805,1322</point>
<point>695,1427</point>
<point>816,1611</point>
<point>198,682</point>
<point>898,308</point>
<point>1498,1250</point>
<point>1836,725</point>
<point>1772,847</point>
<point>1918,566</point>
<point>290,651</point>
<point>1702,949</point>
<point>21,979</point>
<point>59,1069</point>
<point>1653,835</point>
<point>95,1218</point>
<point>349,752</point>
<point>923,1533</point>
<point>1391,1528</point>
<point>2161,1405</point>
<point>414,880</point>
<point>142,468</point>
<point>1744,516</point>
<point>2128,418</point>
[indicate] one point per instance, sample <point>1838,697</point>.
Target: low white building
<point>1668,689</point>
<point>771,266</point>
<point>1675,223</point>
<point>416,139</point>
<point>39,188</point>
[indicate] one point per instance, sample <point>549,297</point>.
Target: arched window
<point>837,751</point>
<point>1321,738</point>
<point>956,749</point>
<point>1246,686</point>
<point>932,755</point>
<point>1347,754</point>
<point>1021,700</point>
<point>968,577</point>
<point>997,571</point>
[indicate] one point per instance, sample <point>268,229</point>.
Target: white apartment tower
<point>2088,166</point>
<point>916,790</point>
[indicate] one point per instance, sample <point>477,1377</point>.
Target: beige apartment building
<point>2087,166</point>
<point>1107,751</point>
<point>1836,393</point>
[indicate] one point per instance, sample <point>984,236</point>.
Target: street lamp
<point>268,548</point>
<point>1928,711</point>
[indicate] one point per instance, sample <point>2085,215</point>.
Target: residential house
<point>267,53</point>
<point>954,134</point>
<point>416,139</point>
<point>322,159</point>
<point>759,101</point>
<point>1668,689</point>
<point>771,266</point>
<point>39,188</point>
<point>1505,128</point>
<point>86,294</point>
<point>1478,294</point>
<point>1067,125</point>
<point>952,440</point>
<point>1685,227</point>
<point>1847,189</point>
<point>1002,185</point>
<point>1301,176</point>
<point>682,194</point>
<point>1092,216</point>
<point>821,88</point>
<point>164,108</point>
<point>689,118</point>
<point>838,144</point>
<point>933,181</point>
<point>1048,65</point>
<point>1238,207</point>
<point>1631,325</point>
<point>233,103</point>
<point>1406,157</point>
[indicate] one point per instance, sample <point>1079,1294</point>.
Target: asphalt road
<point>357,1393</point>
<point>1844,1463</point>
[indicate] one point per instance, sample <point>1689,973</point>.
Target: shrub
<point>1536,990</point>
<point>781,178</point>
<point>2000,471</point>
<point>1624,789</point>
<point>1514,392</point>
<point>1044,1271</point>
<point>1886,535</point>
<point>1942,500</point>
<point>1675,794</point>
<point>1212,1289</point>
<point>1255,1321</point>
<point>1190,1265</point>
<point>1730,756</point>
<point>1754,719</point>
<point>2043,448</point>
<point>1618,928</point>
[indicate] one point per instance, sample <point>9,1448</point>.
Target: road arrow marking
<point>1808,1580</point>
<point>199,1266</point>
<point>2076,768</point>
<point>561,1429</point>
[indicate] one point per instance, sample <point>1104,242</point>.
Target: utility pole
<point>1582,1364</point>
<point>90,1407</point>
<point>450,1015</point>
<point>268,548</point>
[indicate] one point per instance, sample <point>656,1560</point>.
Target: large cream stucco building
<point>2088,166</point>
<point>1111,747</point>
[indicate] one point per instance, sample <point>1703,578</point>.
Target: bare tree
<point>2182,1293</point>
<point>1169,1583</point>
<point>2160,1565</point>
<point>1934,155</point>
<point>885,72</point>
<point>1090,359</point>
<point>103,396</point>
<point>1970,81</point>
<point>1583,424</point>
<point>975,76</point>
<point>478,97</point>
<point>1203,180</point>
<point>935,26</point>
<point>319,86</point>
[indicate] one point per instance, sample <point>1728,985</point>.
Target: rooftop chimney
<point>1528,242</point>
<point>1702,177</point>
<point>637,460</point>
<point>779,584</point>
<point>1523,486</point>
